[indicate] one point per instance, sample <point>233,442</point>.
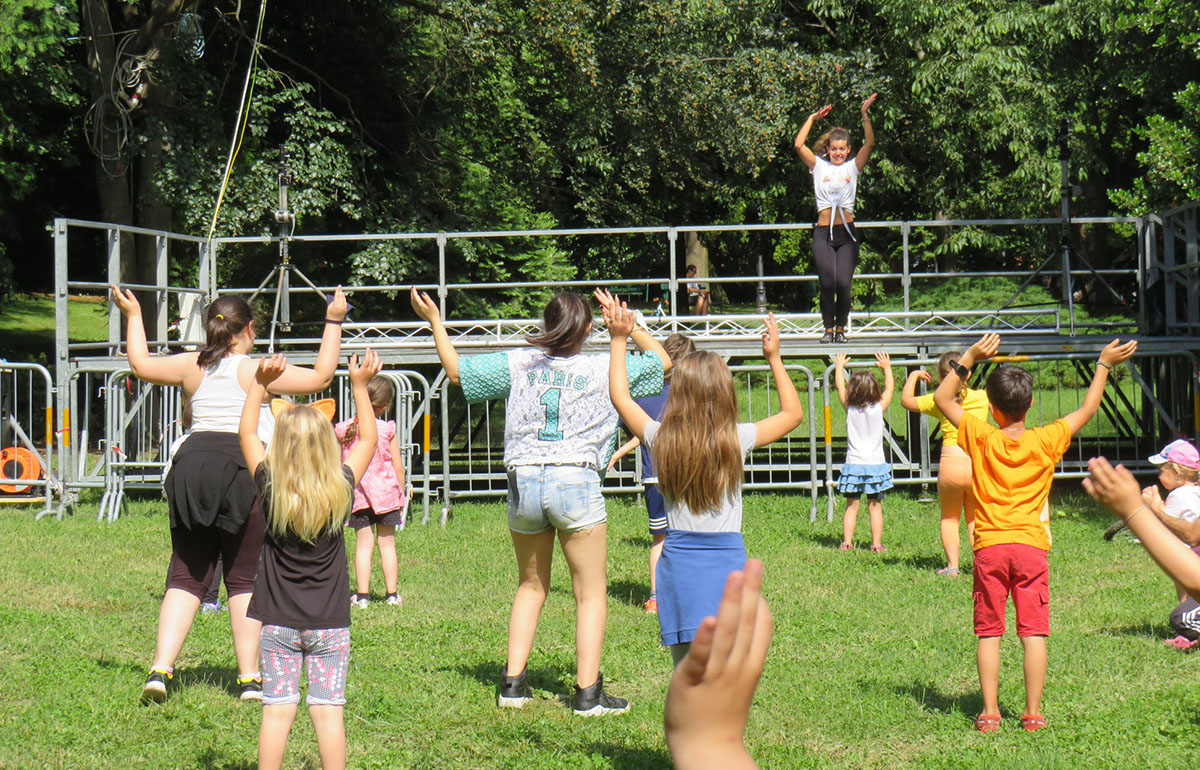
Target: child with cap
<point>1180,512</point>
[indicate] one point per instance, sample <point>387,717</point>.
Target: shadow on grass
<point>211,760</point>
<point>639,541</point>
<point>920,562</point>
<point>931,698</point>
<point>548,678</point>
<point>823,540</point>
<point>1148,630</point>
<point>222,677</point>
<point>631,592</point>
<point>626,758</point>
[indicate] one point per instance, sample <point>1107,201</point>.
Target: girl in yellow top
<point>954,467</point>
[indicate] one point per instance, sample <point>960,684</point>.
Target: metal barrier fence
<point>26,414</point>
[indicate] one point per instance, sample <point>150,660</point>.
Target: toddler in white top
<point>866,470</point>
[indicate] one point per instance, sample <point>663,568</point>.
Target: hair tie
<point>220,316</point>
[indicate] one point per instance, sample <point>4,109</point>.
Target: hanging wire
<point>243,118</point>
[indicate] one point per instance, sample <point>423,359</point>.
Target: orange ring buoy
<point>18,463</point>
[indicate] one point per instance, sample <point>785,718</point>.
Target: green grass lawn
<point>872,664</point>
<point>27,325</point>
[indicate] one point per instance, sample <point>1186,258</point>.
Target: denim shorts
<point>566,497</point>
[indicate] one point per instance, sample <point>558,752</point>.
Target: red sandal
<point>1032,722</point>
<point>987,723</point>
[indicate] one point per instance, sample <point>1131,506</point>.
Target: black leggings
<point>835,258</point>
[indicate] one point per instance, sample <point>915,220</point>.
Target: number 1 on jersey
<point>550,399</point>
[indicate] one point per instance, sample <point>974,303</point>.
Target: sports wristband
<point>962,371</point>
<point>331,321</point>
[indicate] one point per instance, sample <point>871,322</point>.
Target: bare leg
<point>954,478</point>
<point>849,521</point>
<point>174,621</point>
<point>387,556</point>
<point>273,735</point>
<point>534,553</point>
<point>1035,672</point>
<point>331,735</point>
<point>587,556</point>
<point>246,633</point>
<point>364,543</point>
<point>875,511</point>
<point>656,547</point>
<point>987,657</point>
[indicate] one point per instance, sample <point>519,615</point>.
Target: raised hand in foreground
<point>711,689</point>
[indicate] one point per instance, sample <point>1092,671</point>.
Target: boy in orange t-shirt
<point>1011,470</point>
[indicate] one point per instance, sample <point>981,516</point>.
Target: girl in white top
<point>835,241</point>
<point>699,449</point>
<point>209,492</point>
<point>866,470</point>
<point>559,429</point>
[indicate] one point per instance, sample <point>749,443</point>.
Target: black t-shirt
<point>301,585</point>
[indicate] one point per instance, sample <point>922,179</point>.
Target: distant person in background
<point>697,293</point>
<point>954,466</point>
<point>835,240</point>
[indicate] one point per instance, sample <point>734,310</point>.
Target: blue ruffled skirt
<point>856,479</point>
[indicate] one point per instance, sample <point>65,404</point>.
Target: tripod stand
<point>281,314</point>
<point>1067,190</point>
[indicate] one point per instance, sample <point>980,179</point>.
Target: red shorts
<point>1012,568</point>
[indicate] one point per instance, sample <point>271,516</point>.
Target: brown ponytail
<point>943,366</point>
<point>832,135</point>
<point>565,325</point>
<point>382,394</point>
<point>224,319</point>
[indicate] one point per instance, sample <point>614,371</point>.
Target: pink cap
<point>1180,452</point>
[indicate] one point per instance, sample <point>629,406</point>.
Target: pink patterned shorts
<point>325,653</point>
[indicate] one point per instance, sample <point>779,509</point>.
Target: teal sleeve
<point>645,373</point>
<point>484,377</point>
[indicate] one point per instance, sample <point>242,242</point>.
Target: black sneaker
<point>250,687</point>
<point>839,338</point>
<point>826,338</point>
<point>594,701</point>
<point>514,691</point>
<point>155,688</point>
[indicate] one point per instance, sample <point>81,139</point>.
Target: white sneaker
<point>361,602</point>
<point>394,599</point>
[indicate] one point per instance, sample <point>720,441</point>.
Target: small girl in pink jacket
<point>379,499</point>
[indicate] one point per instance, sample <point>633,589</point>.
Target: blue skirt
<point>857,479</point>
<point>690,579</point>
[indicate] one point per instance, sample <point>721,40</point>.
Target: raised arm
<point>839,375</point>
<point>1114,353</point>
<point>368,431</point>
<point>944,396</point>
<point>427,309</point>
<point>160,370</point>
<point>268,370</point>
<point>889,382</point>
<point>301,380</point>
<point>642,338</point>
<point>908,395</point>
<point>801,142</point>
<point>1117,490</point>
<point>790,412</point>
<point>625,449</point>
<point>868,145</point>
<point>620,324</point>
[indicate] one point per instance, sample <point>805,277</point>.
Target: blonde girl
<point>302,582</point>
<point>559,429</point>
<point>379,500</point>
<point>954,467</point>
<point>865,471</point>
<point>699,448</point>
<point>209,493</point>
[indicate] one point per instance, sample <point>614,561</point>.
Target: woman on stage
<point>835,241</point>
